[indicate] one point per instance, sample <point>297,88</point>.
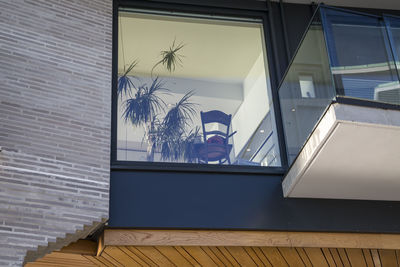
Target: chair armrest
<point>232,134</point>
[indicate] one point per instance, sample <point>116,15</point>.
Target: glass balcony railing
<point>343,54</point>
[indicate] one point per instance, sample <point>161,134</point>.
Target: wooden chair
<point>216,145</point>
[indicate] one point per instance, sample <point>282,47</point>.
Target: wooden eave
<point>129,247</point>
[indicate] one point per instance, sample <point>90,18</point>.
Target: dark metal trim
<point>200,7</point>
<point>197,168</point>
<point>273,59</point>
<point>237,8</point>
<point>285,33</point>
<point>114,81</point>
<point>298,47</point>
<point>233,4</point>
<point>273,38</point>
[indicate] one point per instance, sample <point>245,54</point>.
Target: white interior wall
<point>255,105</point>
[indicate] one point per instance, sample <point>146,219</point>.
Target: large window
<point>194,89</point>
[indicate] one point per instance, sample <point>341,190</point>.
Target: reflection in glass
<point>360,55</point>
<point>194,90</point>
<point>390,93</point>
<point>306,90</point>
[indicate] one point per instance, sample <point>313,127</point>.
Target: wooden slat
<point>343,257</point>
<point>96,261</point>
<point>217,260</point>
<point>174,256</point>
<point>220,256</point>
<point>44,264</point>
<point>262,257</point>
<point>398,257</point>
<point>62,259</point>
<point>201,257</point>
<point>316,257</point>
<point>388,258</point>
<point>257,260</point>
<point>336,257</point>
<point>153,254</point>
<point>356,257</point>
<point>113,261</point>
<point>120,256</point>
<point>304,257</point>
<point>368,257</point>
<point>83,247</point>
<point>274,256</point>
<point>241,256</point>
<point>291,256</point>
<point>140,255</point>
<point>376,258</point>
<point>228,255</point>
<point>187,256</point>
<point>328,257</point>
<point>133,256</point>
<point>104,261</point>
<point>126,237</point>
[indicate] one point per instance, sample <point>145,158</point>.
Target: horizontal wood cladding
<point>116,237</point>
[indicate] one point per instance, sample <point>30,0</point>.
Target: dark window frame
<point>235,8</point>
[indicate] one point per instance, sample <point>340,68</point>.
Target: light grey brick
<point>55,110</point>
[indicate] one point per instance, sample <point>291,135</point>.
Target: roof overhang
<point>353,153</point>
<point>130,247</point>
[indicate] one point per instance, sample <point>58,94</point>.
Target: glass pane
<point>391,94</point>
<point>360,55</point>
<point>307,89</point>
<point>194,90</point>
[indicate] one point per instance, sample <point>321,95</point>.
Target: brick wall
<point>55,110</point>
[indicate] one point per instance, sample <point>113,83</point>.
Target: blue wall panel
<point>236,201</point>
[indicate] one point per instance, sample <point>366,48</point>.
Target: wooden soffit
<point>228,248</point>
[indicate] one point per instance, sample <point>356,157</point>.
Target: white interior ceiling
<point>354,153</point>
<point>213,49</point>
<point>379,4</point>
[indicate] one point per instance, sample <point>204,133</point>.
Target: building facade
<point>104,112</point>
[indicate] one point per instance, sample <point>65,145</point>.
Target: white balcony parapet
<point>353,153</point>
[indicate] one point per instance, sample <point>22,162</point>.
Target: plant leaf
<point>145,104</point>
<point>125,83</point>
<point>170,58</point>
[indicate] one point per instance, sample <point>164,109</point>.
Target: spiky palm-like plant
<point>143,108</point>
<point>171,134</point>
<point>146,105</point>
<point>170,58</point>
<point>189,153</point>
<point>125,83</point>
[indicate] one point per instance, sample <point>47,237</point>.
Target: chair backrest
<point>215,116</point>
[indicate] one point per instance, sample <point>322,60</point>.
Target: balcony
<point>340,102</point>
